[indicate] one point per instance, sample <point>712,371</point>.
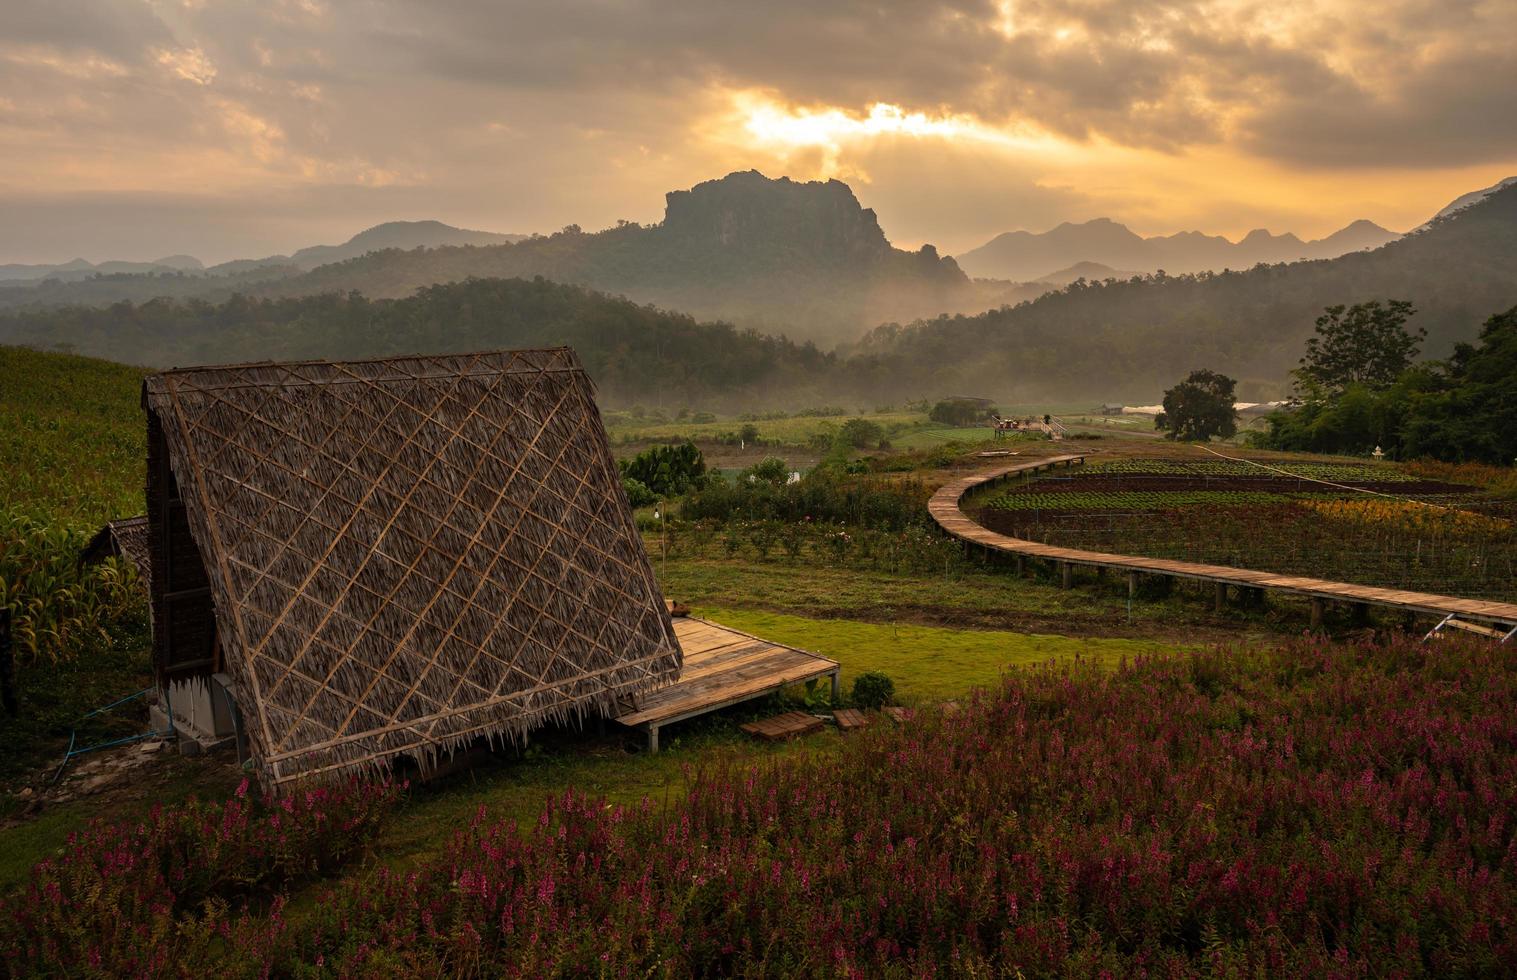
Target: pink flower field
<point>1317,810</point>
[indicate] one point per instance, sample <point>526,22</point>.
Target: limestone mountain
<point>800,258</point>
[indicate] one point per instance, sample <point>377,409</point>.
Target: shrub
<point>638,494</point>
<point>771,470</point>
<point>873,689</point>
<point>860,433</point>
<point>666,470</point>
<point>1304,810</point>
<point>822,496</point>
<point>116,901</point>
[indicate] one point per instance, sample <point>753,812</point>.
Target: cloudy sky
<point>228,128</point>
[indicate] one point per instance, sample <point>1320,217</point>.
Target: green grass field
<point>927,662</point>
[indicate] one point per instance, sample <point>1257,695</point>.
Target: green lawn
<point>927,662</point>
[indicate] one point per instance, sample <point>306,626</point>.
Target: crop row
<point>1138,500</point>
<point>1336,472</point>
<point>1391,544</point>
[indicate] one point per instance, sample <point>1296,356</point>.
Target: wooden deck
<point>945,509</point>
<point>722,667</point>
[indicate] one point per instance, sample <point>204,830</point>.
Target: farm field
<point>1370,524</point>
<point>1080,711</point>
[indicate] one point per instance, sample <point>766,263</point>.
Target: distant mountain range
<point>81,269</point>
<point>803,259</point>
<point>806,260</point>
<point>1023,256</point>
<point>405,235</point>
<point>1126,340</point>
<point>1114,339</point>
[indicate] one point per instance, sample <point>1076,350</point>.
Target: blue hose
<point>73,735</point>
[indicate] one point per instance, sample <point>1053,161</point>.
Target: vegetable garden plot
<point>1465,546</point>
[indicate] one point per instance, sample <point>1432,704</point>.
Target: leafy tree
<point>1466,409</point>
<point>961,411</point>
<point>638,494</point>
<point>1366,343</point>
<point>749,433</point>
<point>1200,407</point>
<point>1355,420</point>
<point>860,433</point>
<point>666,470</point>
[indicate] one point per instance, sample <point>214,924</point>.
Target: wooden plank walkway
<point>791,724</point>
<point>850,719</point>
<point>722,667</point>
<point>945,509</point>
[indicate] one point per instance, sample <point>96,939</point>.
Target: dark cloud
<point>529,115</point>
<point>1459,110</point>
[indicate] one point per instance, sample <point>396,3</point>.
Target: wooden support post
<point>653,740</point>
<point>1361,613</point>
<point>1219,600</point>
<point>1021,566</point>
<point>1066,575</point>
<point>1318,607</point>
<point>1132,585</point>
<point>835,687</point>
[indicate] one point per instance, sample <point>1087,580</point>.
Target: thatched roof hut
<point>125,538</point>
<point>396,556</point>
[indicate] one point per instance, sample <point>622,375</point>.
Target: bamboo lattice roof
<point>408,553</point>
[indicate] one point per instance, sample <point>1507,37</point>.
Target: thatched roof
<point>409,553</point>
<point>127,538</point>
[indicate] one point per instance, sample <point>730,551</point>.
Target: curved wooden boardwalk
<point>945,509</point>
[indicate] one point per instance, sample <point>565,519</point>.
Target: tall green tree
<point>1366,344</point>
<point>667,471</point>
<point>1466,408</point>
<point>1201,406</point>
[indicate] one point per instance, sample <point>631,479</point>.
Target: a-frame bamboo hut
<point>396,556</point>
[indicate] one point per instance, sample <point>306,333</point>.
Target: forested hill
<point>802,259</point>
<point>1130,339</point>
<point>634,353</point>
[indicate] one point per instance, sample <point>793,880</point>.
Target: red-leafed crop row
<point>1319,810</point>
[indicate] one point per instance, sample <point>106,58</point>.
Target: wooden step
<point>850,719</point>
<point>898,714</point>
<point>788,725</point>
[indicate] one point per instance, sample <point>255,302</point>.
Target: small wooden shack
<point>395,556</point>
<point>125,538</point>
